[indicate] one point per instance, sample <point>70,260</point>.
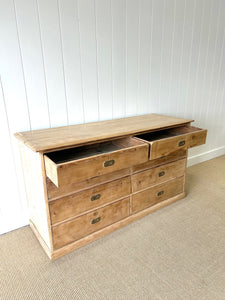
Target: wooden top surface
<point>44,140</point>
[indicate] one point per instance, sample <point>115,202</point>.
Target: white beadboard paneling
<point>87,28</point>
<point>13,212</point>
<point>177,39</point>
<point>72,64</point>
<point>145,12</point>
<point>195,54</point>
<point>48,13</point>
<point>12,70</point>
<point>75,61</point>
<point>118,11</point>
<point>104,57</point>
<point>32,59</point>
<point>187,43</point>
<point>132,56</point>
<point>156,50</point>
<point>166,56</point>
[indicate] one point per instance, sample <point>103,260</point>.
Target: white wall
<point>73,61</point>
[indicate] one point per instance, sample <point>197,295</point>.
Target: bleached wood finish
<point>71,231</point>
<point>55,192</point>
<point>90,199</point>
<point>31,162</point>
<point>157,175</point>
<point>164,142</point>
<point>60,137</point>
<point>109,229</point>
<point>103,185</point>
<point>156,194</point>
<point>75,170</point>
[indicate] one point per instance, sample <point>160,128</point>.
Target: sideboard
<point>85,181</point>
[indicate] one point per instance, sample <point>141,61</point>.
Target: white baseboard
<point>196,159</point>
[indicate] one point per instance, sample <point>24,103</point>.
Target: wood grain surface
<point>59,137</point>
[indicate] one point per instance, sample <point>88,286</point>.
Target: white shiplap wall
<point>73,61</point>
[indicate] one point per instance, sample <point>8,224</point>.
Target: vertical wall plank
<point>104,57</point>
<point>179,18</point>
<point>13,215</point>
<point>29,38</point>
<point>145,13</point>
<point>193,70</point>
<point>166,57</point>
<point>12,69</point>
<point>87,27</point>
<point>157,35</point>
<point>68,15</point>
<point>53,61</point>
<point>132,56</point>
<point>119,57</point>
<point>187,43</point>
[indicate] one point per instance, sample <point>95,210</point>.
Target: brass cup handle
<point>161,173</point>
<point>181,143</point>
<point>95,197</point>
<point>109,163</point>
<point>160,193</point>
<point>94,221</point>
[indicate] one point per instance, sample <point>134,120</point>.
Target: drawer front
<point>71,231</point>
<point>166,146</point>
<point>158,175</point>
<point>163,143</point>
<point>156,194</point>
<point>186,137</point>
<point>90,199</point>
<point>79,170</point>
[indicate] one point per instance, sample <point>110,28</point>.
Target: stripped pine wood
<point>157,175</point>
<point>156,194</point>
<point>84,201</point>
<point>104,185</point>
<point>60,137</point>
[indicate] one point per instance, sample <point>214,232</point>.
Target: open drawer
<point>72,165</point>
<point>166,141</point>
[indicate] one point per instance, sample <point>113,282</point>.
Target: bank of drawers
<point>88,210</point>
<point>93,186</point>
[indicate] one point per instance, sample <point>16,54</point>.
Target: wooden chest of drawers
<point>85,181</point>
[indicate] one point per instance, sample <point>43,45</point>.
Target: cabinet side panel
<point>35,191</point>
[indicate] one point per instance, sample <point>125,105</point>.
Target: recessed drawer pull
<point>181,143</point>
<point>109,163</point>
<point>160,193</point>
<point>161,173</point>
<point>94,221</point>
<point>95,197</point>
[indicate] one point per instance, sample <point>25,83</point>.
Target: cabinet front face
<point>93,187</point>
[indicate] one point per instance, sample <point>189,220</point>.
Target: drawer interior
<point>76,153</point>
<point>167,133</point>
